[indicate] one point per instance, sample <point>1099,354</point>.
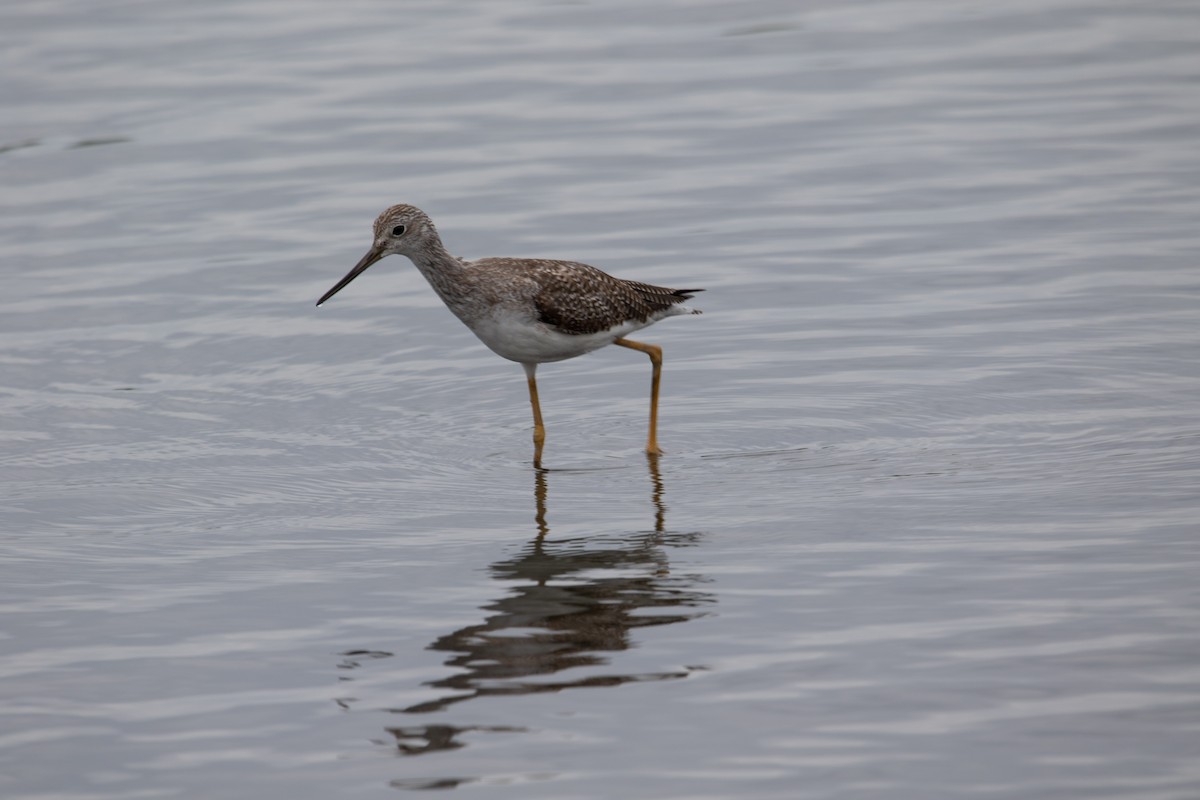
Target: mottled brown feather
<point>579,299</point>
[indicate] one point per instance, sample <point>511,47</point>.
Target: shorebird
<point>529,310</point>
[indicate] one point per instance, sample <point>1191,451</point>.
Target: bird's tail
<point>686,294</point>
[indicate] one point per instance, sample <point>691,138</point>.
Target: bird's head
<point>405,230</point>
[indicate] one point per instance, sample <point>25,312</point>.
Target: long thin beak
<point>370,258</point>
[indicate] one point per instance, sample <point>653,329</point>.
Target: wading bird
<point>529,310</point>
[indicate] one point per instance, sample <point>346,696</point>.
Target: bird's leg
<point>539,430</point>
<point>655,353</point>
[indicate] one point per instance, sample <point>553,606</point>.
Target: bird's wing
<point>580,299</point>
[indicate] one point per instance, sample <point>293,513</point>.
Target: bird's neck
<point>443,271</point>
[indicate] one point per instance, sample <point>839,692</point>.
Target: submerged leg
<point>655,353</point>
<point>539,430</point>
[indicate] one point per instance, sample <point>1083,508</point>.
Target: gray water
<point>927,525</point>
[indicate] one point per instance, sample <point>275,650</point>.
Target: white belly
<point>530,342</point>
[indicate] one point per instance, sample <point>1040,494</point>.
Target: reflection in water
<point>573,601</point>
<point>422,739</point>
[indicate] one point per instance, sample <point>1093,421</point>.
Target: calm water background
<point>928,523</point>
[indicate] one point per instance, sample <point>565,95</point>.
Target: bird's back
<point>579,299</point>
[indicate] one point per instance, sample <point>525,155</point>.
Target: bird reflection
<point>571,602</point>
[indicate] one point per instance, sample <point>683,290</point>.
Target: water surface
<point>926,526</point>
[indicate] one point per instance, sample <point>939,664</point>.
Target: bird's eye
<point>398,230</point>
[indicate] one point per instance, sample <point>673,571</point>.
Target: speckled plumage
<point>527,310</point>
<point>494,297</point>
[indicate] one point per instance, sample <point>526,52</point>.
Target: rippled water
<point>927,525</point>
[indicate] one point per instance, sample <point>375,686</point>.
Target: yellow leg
<point>655,353</point>
<point>539,430</point>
